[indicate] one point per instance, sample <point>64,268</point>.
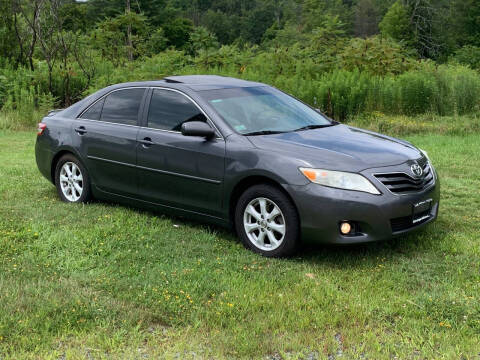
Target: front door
<point>175,170</point>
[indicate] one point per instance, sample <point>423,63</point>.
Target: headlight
<point>340,179</point>
<point>429,161</point>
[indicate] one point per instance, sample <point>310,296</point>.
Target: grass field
<point>105,281</point>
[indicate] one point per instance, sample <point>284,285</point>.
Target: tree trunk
<point>32,49</point>
<point>20,58</point>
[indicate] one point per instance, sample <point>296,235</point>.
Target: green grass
<point>107,281</point>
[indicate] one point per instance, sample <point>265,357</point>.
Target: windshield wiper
<point>310,127</point>
<point>264,132</point>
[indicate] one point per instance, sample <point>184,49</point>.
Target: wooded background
<point>345,56</point>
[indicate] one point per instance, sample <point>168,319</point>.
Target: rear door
<point>106,134</point>
<point>176,170</point>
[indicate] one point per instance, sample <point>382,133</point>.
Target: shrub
<point>376,55</point>
<point>468,55</point>
<point>415,89</point>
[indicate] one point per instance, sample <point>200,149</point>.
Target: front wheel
<point>267,222</point>
<point>72,180</point>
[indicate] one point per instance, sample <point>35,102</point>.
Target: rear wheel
<point>267,222</point>
<point>72,180</point>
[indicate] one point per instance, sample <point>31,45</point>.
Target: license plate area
<point>421,211</point>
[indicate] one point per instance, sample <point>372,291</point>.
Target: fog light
<point>345,228</point>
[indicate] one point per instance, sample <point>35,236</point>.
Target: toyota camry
<point>239,154</point>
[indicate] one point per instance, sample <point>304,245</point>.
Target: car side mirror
<point>197,128</point>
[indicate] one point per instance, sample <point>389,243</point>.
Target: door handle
<point>81,130</point>
<point>146,142</point>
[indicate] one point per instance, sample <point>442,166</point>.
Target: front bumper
<point>379,217</point>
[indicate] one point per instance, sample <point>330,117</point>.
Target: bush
<point>415,89</point>
<point>378,56</point>
<point>468,55</point>
<point>446,90</point>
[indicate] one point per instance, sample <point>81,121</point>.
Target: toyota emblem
<point>416,170</point>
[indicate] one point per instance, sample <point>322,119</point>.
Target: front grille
<point>402,183</point>
<point>406,222</point>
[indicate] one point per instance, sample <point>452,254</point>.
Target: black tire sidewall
<point>86,194</point>
<point>292,235</point>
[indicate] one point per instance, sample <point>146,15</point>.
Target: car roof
<point>210,81</point>
<point>196,82</point>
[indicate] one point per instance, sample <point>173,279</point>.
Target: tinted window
<point>169,110</point>
<point>122,106</point>
<point>94,112</point>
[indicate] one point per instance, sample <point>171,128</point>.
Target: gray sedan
<point>240,154</point>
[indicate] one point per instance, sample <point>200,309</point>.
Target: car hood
<point>339,147</point>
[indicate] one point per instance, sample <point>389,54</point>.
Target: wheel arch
<point>58,156</point>
<point>247,182</point>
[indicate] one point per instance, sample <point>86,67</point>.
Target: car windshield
<point>263,110</point>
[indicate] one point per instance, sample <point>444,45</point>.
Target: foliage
<point>222,25</point>
<point>202,40</point>
<point>396,24</point>
<point>468,55</point>
<point>153,289</point>
<point>156,67</point>
<point>465,17</point>
<point>444,90</point>
<point>304,47</point>
<point>156,43</point>
<point>178,32</point>
<point>110,37</point>
<point>359,84</point>
<point>376,56</point>
<point>366,18</point>
<point>316,13</point>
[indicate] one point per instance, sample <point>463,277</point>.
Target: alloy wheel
<point>71,181</point>
<point>264,224</point>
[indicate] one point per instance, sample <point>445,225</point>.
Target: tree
<point>157,11</point>
<point>30,12</point>
<point>202,40</point>
<point>222,25</point>
<point>377,56</point>
<point>366,19</point>
<point>396,24</point>
<point>465,19</point>
<point>257,22</point>
<point>178,32</point>
<point>425,16</point>
<point>156,43</point>
<point>315,13</point>
<point>289,35</point>
<point>468,55</point>
<point>12,37</point>
<point>112,39</point>
<point>74,16</point>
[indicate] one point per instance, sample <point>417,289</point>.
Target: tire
<point>73,187</point>
<point>280,220</point>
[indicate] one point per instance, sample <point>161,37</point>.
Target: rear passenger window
<point>169,110</point>
<point>122,106</point>
<point>94,112</point>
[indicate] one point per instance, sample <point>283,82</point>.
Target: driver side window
<point>169,110</point>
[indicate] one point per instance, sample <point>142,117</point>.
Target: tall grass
<point>446,90</point>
